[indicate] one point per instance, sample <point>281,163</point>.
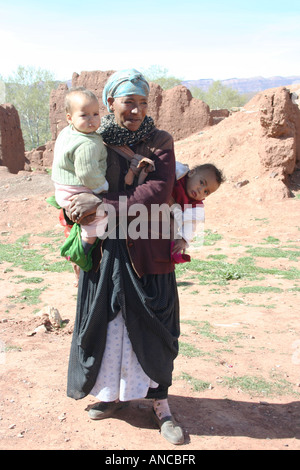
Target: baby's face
<point>85,114</point>
<point>201,184</point>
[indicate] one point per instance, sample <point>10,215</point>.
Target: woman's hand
<point>83,208</point>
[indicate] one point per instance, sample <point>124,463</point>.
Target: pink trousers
<point>63,193</point>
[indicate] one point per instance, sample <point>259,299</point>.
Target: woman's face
<point>129,111</point>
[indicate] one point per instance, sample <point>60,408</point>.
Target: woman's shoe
<point>169,430</point>
<point>104,409</point>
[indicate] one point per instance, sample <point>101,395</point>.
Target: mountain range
<point>246,85</point>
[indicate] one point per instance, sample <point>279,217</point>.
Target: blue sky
<point>192,39</point>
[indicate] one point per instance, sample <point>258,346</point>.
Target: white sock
<point>161,408</point>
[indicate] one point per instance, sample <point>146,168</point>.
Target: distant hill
<point>246,85</point>
<point>242,85</point>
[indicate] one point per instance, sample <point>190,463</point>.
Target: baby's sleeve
<point>189,222</point>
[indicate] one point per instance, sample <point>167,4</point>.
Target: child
<point>186,204</point>
<point>79,164</point>
<point>190,189</point>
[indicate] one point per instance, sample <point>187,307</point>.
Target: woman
<point>127,323</point>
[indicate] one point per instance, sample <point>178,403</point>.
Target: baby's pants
<point>63,193</point>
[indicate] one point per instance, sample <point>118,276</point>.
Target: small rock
<point>41,329</point>
<point>53,315</point>
<point>240,184</point>
<point>38,329</point>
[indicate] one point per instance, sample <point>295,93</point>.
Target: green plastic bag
<point>72,249</point>
<point>52,201</point>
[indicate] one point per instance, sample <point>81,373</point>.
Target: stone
<point>52,315</point>
<point>177,112</point>
<point>280,130</point>
<point>12,149</point>
<point>57,112</point>
<point>240,184</point>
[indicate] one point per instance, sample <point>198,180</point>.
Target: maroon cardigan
<point>148,256</point>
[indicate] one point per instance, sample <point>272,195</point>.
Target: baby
<point>190,189</point>
<point>186,203</point>
<point>79,163</point>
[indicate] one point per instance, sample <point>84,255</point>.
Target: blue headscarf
<point>124,83</point>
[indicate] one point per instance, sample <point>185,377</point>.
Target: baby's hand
<point>135,164</point>
<point>179,245</point>
<point>139,166</point>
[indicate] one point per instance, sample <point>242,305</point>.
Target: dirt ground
<point>262,331</point>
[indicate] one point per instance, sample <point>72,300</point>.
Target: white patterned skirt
<point>120,376</point>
